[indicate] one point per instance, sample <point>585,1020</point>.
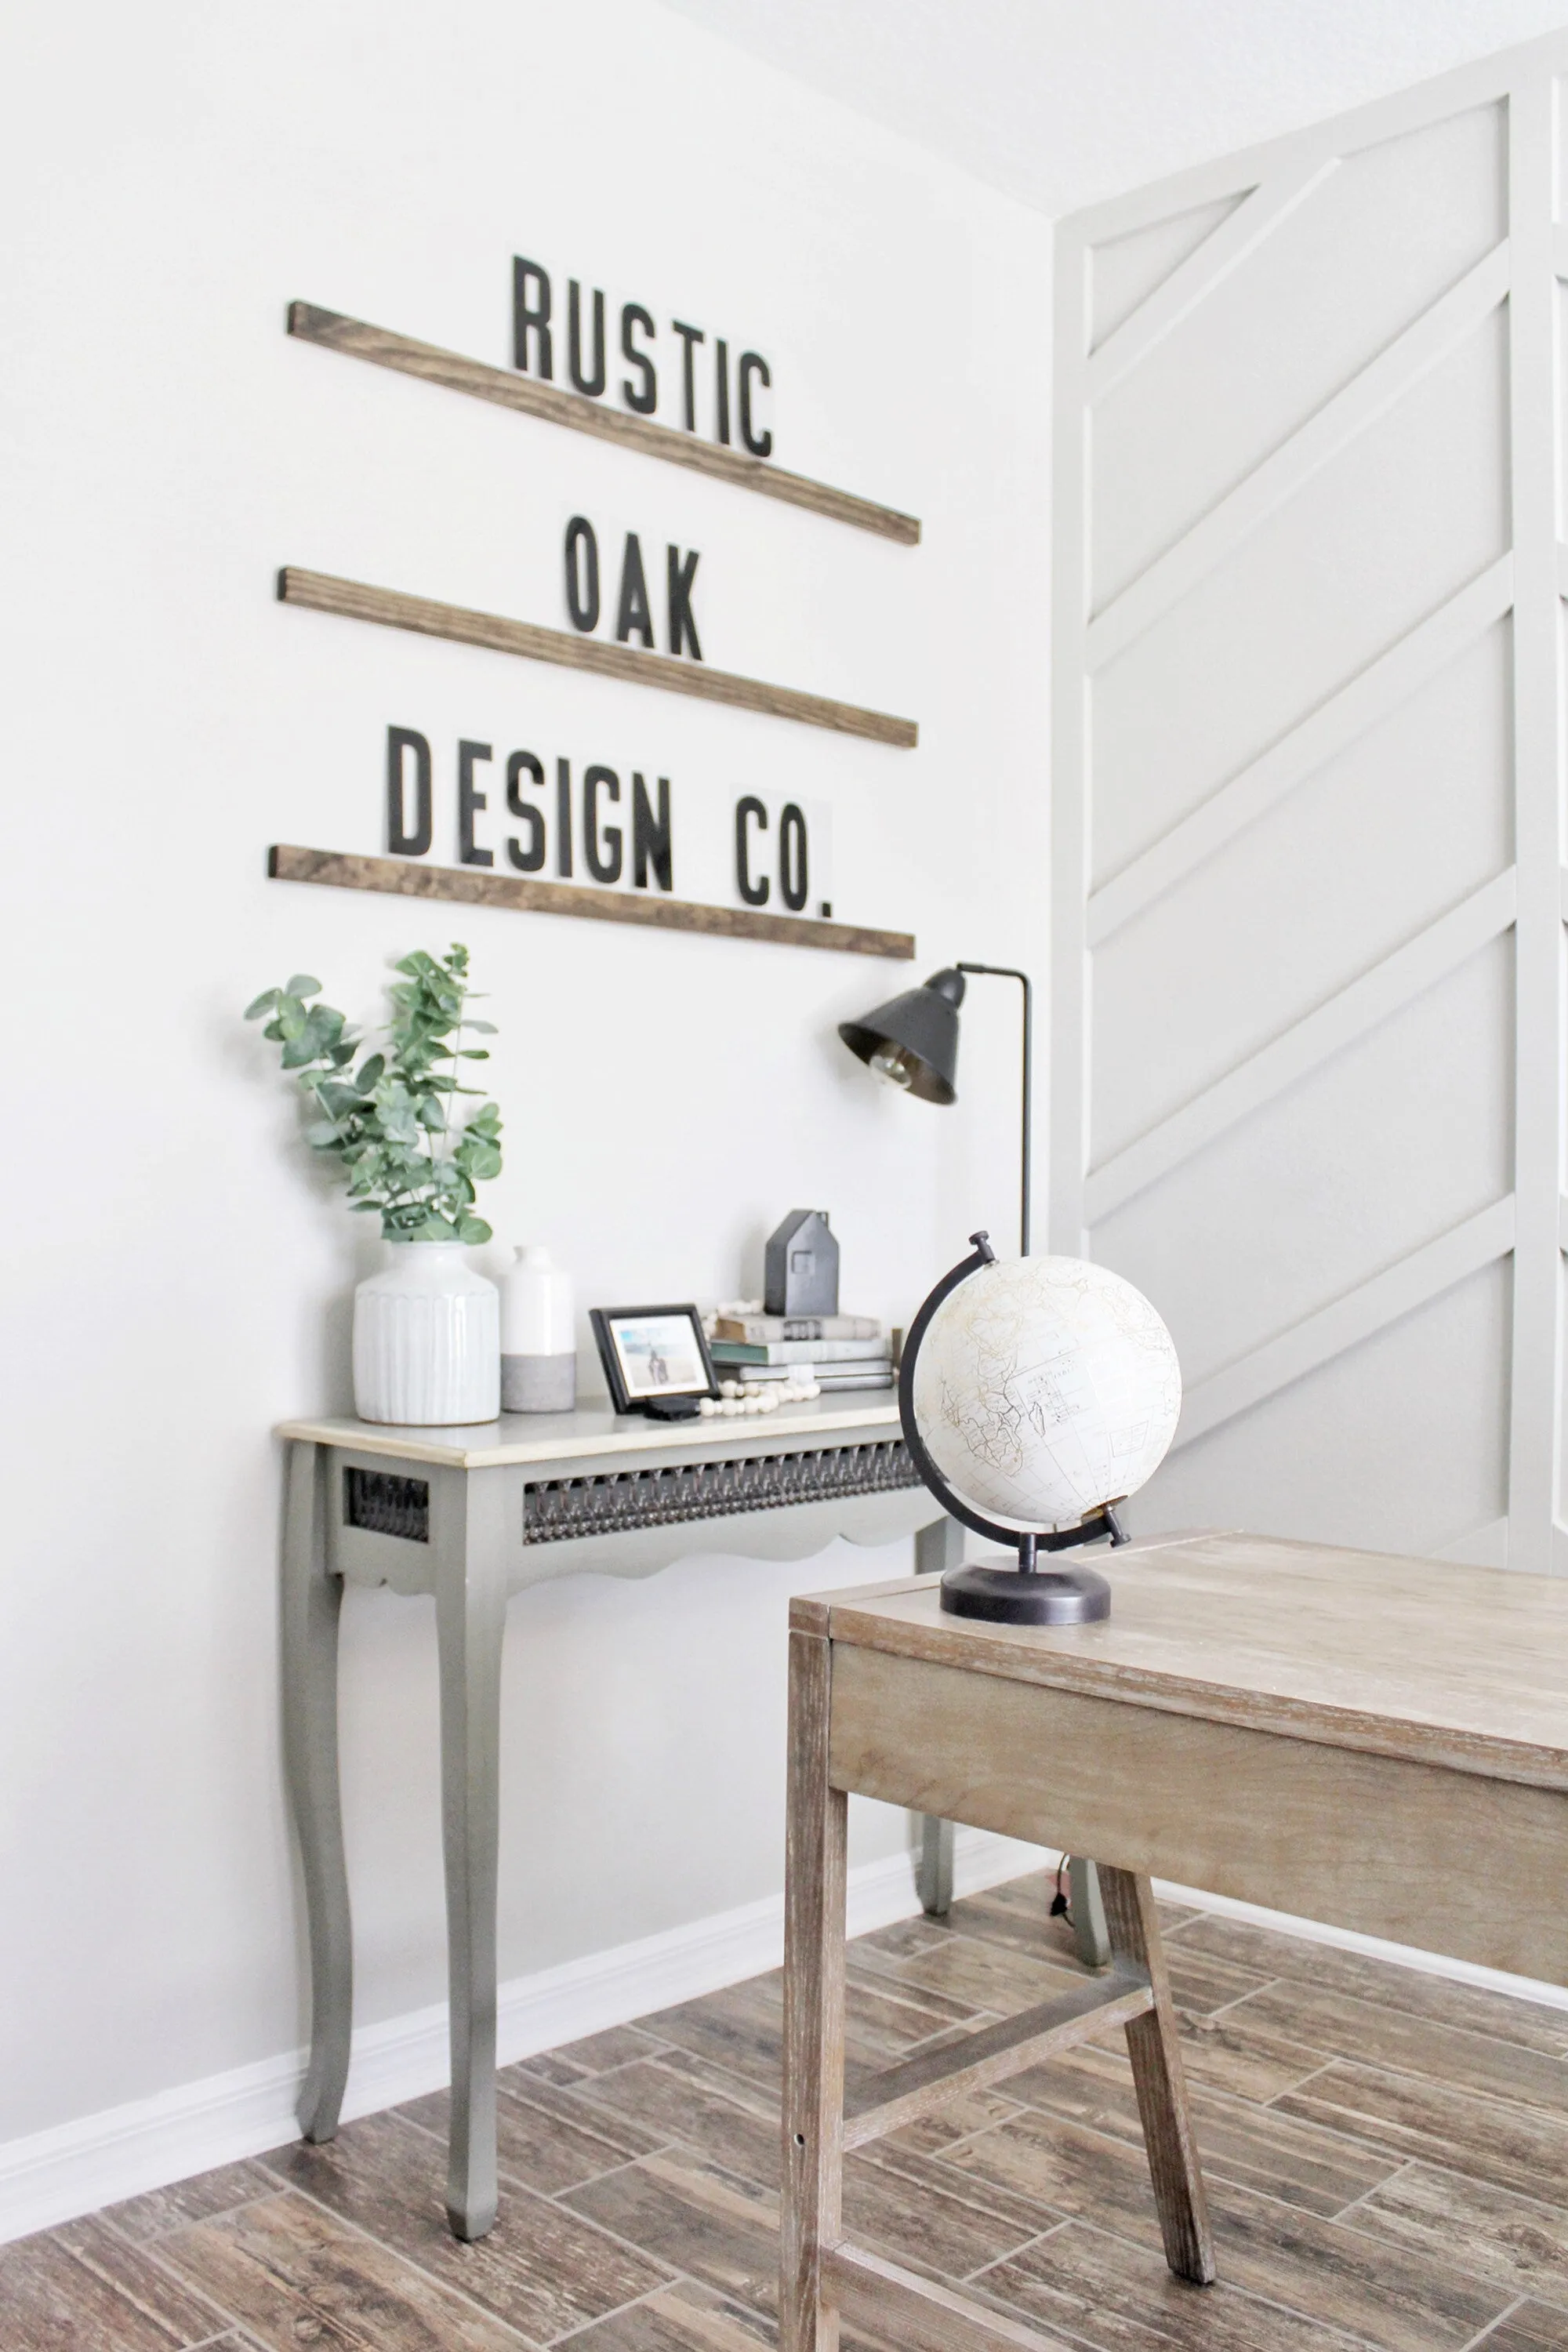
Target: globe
<point>1042,1389</point>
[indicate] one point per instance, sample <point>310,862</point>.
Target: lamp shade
<point>914,1039</point>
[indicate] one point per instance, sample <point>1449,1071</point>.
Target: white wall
<point>174,1279</point>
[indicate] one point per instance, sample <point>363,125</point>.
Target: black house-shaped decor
<point>800,1273</point>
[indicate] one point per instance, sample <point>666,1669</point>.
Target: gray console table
<point>472,1516</point>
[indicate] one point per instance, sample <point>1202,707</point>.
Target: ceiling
<point>1061,102</point>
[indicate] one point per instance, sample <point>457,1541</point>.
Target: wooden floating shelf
<point>352,600</point>
<point>468,886</point>
<point>431,365</point>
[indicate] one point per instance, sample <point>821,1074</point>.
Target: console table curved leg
<point>937,1547</point>
<point>1155,2052</point>
<point>470,1617</point>
<point>312,1602</point>
<point>1091,1937</point>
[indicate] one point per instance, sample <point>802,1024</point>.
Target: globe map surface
<point>1045,1387</point>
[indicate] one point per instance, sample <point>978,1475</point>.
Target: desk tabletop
<point>1423,1659</point>
<point>534,1437</point>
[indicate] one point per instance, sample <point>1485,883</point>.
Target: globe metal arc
<point>1036,1394</point>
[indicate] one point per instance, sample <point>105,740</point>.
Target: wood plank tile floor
<point>1387,2158</point>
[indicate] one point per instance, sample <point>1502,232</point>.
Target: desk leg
<point>938,1547</point>
<point>1156,2056</point>
<point>470,1619</point>
<point>813,2006</point>
<point>313,1602</point>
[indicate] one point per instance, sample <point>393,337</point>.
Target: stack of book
<point>838,1351</point>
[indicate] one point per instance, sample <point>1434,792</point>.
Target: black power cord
<point>1059,1909</point>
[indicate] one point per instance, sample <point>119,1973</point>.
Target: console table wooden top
<point>530,1437</point>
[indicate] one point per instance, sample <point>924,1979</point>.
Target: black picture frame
<point>629,1393</point>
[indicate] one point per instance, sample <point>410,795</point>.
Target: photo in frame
<point>650,1353</point>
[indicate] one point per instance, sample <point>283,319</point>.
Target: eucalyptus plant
<point>392,1124</point>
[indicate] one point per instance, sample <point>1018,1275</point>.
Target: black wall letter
<point>520,764</point>
<point>594,385</point>
<point>794,875</point>
<point>646,401</point>
<point>581,573</point>
<point>469,802</point>
<point>755,894</point>
<point>526,314</point>
<point>563,817</point>
<point>689,336</point>
<point>603,858</point>
<point>761,445</point>
<point>721,388</point>
<point>634,612</point>
<point>650,838</point>
<point>679,578</point>
<point>403,840</point>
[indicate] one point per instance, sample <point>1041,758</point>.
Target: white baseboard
<point>52,2176</point>
<point>76,2167</point>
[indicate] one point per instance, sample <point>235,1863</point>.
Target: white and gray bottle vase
<point>537,1335</point>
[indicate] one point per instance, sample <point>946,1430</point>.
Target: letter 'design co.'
<point>569,820</point>
<point>557,815</point>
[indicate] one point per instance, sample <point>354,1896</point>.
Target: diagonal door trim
<point>1352,711</point>
<point>1237,238</point>
<point>1362,1313</point>
<point>1402,364</point>
<point>1394,982</point>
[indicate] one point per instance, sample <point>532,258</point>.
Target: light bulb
<point>892,1062</point>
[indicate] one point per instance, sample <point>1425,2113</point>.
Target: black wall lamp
<point>913,1042</point>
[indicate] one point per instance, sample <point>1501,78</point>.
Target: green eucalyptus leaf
<point>473,1230</point>
<point>303,985</point>
<point>263,1003</point>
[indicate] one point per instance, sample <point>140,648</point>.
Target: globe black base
<point>1012,1596</point>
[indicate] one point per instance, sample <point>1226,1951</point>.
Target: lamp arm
<point>1007,972</point>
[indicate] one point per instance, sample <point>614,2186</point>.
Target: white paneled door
<point>1307,1017</point>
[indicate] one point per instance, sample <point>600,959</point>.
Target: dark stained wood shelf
<point>431,365</point>
<point>471,886</point>
<point>352,600</point>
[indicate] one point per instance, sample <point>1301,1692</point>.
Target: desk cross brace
<point>903,2092</point>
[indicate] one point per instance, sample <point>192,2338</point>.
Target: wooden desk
<point>1329,1733</point>
<point>472,1516</point>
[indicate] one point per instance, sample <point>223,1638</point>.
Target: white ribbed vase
<point>427,1338</point>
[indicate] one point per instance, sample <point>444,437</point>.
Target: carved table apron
<point>472,1516</point>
